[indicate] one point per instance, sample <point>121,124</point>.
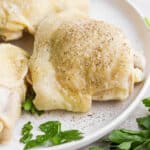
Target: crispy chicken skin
<point>13,69</point>
<point>17,15</point>
<point>76,59</point>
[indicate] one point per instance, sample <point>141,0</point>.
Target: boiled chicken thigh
<point>13,69</point>
<point>17,15</point>
<point>77,59</point>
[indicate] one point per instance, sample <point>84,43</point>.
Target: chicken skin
<point>13,69</point>
<point>18,15</point>
<point>77,59</point>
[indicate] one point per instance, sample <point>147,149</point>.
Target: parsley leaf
<point>26,133</point>
<point>67,136</point>
<point>40,140</point>
<point>144,122</point>
<point>28,105</point>
<point>146,102</point>
<point>119,136</point>
<point>95,148</point>
<point>51,128</point>
<point>125,145</point>
<point>52,135</point>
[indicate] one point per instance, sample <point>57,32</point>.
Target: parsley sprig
<point>28,105</point>
<point>124,139</point>
<point>26,133</point>
<point>52,135</point>
<point>146,102</point>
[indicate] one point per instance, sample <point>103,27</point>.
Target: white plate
<point>104,116</point>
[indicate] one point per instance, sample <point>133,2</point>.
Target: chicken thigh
<point>76,59</point>
<point>17,15</point>
<point>13,69</point>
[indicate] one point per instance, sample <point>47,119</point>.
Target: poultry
<point>18,15</point>
<point>13,69</point>
<point>77,59</point>
<point>63,5</point>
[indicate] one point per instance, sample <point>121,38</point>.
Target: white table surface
<point>130,123</point>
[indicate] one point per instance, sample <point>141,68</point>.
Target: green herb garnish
<point>52,135</point>
<point>26,133</point>
<point>95,148</point>
<point>124,139</point>
<point>28,105</point>
<point>40,140</point>
<point>51,128</point>
<point>147,21</point>
<point>146,102</point>
<point>70,135</point>
<point>144,122</point>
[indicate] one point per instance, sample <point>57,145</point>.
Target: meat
<point>18,15</point>
<point>77,59</point>
<point>13,69</point>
